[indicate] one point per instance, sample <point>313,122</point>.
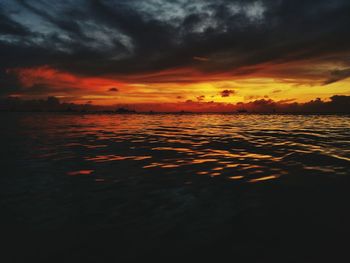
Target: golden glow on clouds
<point>162,87</point>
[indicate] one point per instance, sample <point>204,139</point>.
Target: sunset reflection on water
<point>256,148</point>
<point>179,181</point>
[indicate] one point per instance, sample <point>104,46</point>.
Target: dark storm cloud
<point>200,98</point>
<point>96,37</point>
<point>227,93</point>
<point>113,90</point>
<point>337,75</point>
<point>10,27</point>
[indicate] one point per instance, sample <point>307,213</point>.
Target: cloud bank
<point>160,41</point>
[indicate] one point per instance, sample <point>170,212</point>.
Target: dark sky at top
<point>131,37</point>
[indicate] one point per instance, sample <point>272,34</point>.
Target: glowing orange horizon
<point>176,86</point>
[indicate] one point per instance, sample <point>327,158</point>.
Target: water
<point>124,187</point>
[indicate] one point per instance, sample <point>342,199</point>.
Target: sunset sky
<point>174,52</point>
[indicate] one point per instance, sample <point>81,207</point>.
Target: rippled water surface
<point>175,180</point>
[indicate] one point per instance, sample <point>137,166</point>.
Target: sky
<point>166,54</point>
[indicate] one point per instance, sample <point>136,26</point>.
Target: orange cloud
<point>57,79</point>
<point>178,84</point>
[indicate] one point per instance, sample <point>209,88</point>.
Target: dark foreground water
<point>224,188</point>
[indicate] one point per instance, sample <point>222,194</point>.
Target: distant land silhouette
<point>336,104</point>
<point>53,104</point>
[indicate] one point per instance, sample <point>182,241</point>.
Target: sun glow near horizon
<point>108,90</point>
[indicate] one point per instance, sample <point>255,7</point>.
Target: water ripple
<point>251,148</point>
